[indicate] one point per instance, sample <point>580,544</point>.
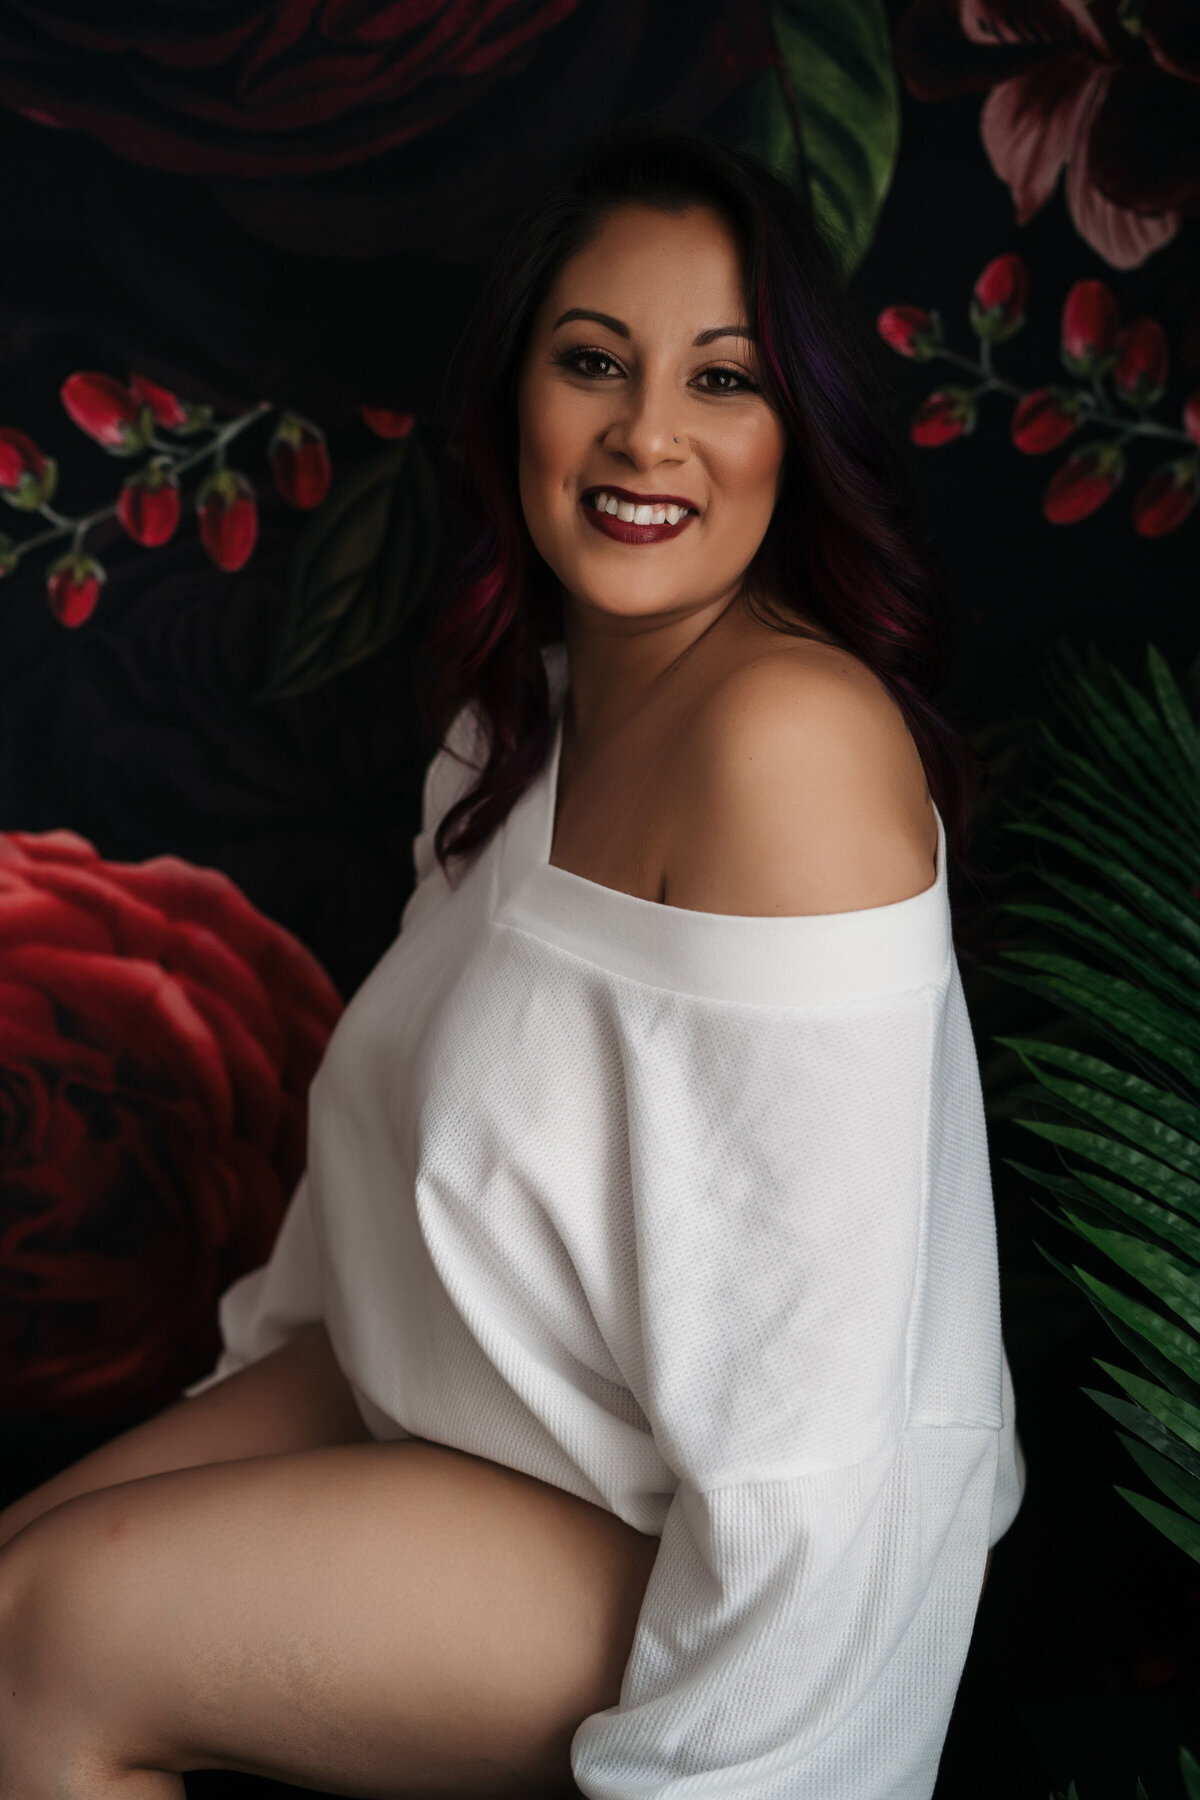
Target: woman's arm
<point>294,1399</point>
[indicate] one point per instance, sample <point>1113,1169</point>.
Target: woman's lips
<point>626,533</point>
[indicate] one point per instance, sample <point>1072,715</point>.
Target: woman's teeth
<point>638,515</point>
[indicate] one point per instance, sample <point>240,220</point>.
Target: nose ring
<point>676,440</point>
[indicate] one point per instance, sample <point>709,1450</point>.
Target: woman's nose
<point>646,426</point>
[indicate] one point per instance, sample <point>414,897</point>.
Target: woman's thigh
<point>382,1619</point>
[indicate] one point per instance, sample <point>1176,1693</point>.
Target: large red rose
<point>157,1039</point>
<point>256,88</point>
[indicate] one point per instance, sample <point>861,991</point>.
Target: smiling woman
<point>623,1407</point>
<point>648,392</point>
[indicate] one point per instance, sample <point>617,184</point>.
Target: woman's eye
<point>726,381</point>
<point>743,382</point>
<point>572,359</point>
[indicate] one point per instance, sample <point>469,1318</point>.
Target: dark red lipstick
<point>624,530</point>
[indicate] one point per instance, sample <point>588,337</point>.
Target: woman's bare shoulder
<point>799,790</point>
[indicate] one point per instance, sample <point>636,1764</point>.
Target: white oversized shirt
<point>689,1214</point>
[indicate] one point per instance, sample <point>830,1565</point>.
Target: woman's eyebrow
<point>622,330</point>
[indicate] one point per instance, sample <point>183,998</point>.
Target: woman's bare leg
<point>379,1619</point>
<point>295,1399</point>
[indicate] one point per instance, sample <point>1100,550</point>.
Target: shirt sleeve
<point>261,1310</point>
<point>810,1609</point>
<point>452,772</point>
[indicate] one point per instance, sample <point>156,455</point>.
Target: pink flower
<point>300,462</point>
<point>228,516</point>
<point>1167,497</point>
<point>73,586</point>
<point>943,416</point>
<point>27,478</point>
<point>1083,483</point>
<point>148,506</point>
<point>1103,95</point>
<point>998,301</point>
<point>108,412</point>
<point>1045,419</point>
<point>385,423</point>
<point>1090,322</point>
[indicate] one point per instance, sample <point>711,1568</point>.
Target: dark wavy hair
<point>841,541</point>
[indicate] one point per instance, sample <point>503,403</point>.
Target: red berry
<point>1083,483</point>
<point>1090,322</point>
<point>107,411</point>
<point>1167,497</point>
<point>998,300</point>
<point>227,512</point>
<point>385,423</point>
<point>1043,420</point>
<point>166,408</point>
<point>943,416</point>
<point>149,512</point>
<point>300,462</point>
<point>73,586</point>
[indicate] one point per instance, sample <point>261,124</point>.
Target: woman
<point>624,1401</point>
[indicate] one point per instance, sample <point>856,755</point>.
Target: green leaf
<point>1177,1415</point>
<point>1174,711</point>
<point>1181,1531</point>
<point>1178,1346</point>
<point>1142,1022</point>
<point>1148,1428</point>
<point>828,122</point>
<point>1176,1113</point>
<point>358,570</point>
<point>1174,1282</point>
<point>1143,1172</point>
<point>1160,1367</point>
<point>1094,789</point>
<point>1117,1206</point>
<point>1058,1184</point>
<point>1166,909</point>
<point>1127,1204</point>
<point>1147,720</point>
<point>1189,1768</point>
<point>1184,1492</point>
<point>1164,1368</point>
<point>1159,782</point>
<point>1123,954</point>
<point>1142,1129</point>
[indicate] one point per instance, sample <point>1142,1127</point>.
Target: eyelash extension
<point>565,358</point>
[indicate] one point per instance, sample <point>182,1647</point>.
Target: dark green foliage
<point>358,569</point>
<point>1116,945</point>
<point>828,121</point>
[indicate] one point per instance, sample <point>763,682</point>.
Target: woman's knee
<point>58,1597</point>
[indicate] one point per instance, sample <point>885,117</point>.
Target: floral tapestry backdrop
<point>240,243</point>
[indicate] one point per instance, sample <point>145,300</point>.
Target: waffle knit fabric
<point>689,1214</point>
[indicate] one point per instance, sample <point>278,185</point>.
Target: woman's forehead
<point>641,256</point>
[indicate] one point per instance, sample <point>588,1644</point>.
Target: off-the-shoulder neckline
<point>810,960</point>
<point>548,782</point>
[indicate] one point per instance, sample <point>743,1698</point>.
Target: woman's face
<point>641,383</point>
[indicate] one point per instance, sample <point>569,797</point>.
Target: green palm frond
<point>1115,944</point>
<point>1189,1768</point>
